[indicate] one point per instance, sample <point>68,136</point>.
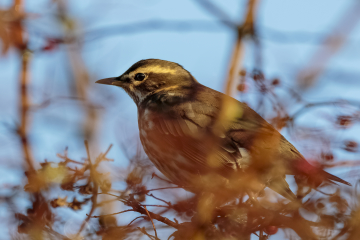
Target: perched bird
<point>197,136</point>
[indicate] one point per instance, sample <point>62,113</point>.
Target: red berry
<point>344,121</point>
<point>258,75</point>
<point>242,87</point>
<point>327,156</point>
<point>271,230</point>
<point>51,44</point>
<point>275,82</point>
<point>351,146</point>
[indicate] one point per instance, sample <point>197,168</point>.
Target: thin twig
<point>319,104</point>
<point>102,156</point>
<point>154,205</point>
<point>143,230</point>
<point>95,190</point>
<point>111,214</point>
<point>135,220</point>
<point>138,208</point>
<point>155,189</point>
<point>147,212</point>
<point>162,200</point>
<point>68,159</point>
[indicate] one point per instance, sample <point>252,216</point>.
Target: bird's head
<point>150,76</point>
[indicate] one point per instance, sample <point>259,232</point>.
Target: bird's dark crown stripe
<point>154,62</point>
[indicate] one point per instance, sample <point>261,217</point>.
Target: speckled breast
<point>164,150</point>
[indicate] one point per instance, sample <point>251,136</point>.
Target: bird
<point>197,136</point>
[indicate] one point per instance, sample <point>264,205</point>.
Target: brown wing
<point>204,133</point>
<point>212,139</point>
<point>192,138</point>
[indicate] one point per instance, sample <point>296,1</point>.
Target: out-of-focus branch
<point>333,43</point>
<point>24,101</point>
<point>247,28</point>
<point>151,25</point>
<point>17,34</point>
<point>296,37</point>
<point>24,110</point>
<point>216,11</point>
<point>266,33</point>
<point>93,177</point>
<point>308,106</point>
<point>40,215</point>
<point>159,218</point>
<point>234,65</point>
<point>80,72</point>
<point>343,163</point>
<point>137,207</point>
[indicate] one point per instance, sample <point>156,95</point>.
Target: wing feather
<point>190,132</point>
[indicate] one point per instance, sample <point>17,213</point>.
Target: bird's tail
<point>333,178</point>
<point>315,174</point>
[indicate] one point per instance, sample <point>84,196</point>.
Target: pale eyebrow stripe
<point>156,69</point>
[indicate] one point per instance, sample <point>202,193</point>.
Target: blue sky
<point>205,54</point>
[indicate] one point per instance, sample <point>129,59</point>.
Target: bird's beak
<point>108,81</point>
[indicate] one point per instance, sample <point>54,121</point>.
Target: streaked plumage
<point>190,131</point>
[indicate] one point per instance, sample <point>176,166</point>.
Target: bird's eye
<point>139,77</point>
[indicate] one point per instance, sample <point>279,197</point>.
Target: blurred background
<point>294,62</point>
